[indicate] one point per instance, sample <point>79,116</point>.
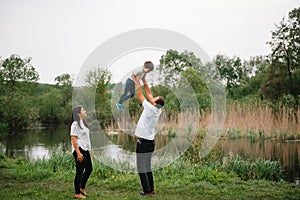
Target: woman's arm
<point>76,147</point>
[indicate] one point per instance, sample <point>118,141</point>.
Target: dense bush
<point>260,168</point>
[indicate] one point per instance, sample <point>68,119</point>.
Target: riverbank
<point>53,179</point>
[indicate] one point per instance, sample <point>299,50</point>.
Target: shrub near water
<point>59,164</point>
<point>182,171</point>
<point>258,169</point>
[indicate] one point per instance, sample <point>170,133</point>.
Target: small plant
<point>171,133</point>
<point>261,134</point>
<point>234,134</point>
<point>252,136</point>
<point>279,136</point>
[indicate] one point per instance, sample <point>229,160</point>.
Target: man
<point>145,131</point>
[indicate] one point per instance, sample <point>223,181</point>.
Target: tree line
<point>273,78</point>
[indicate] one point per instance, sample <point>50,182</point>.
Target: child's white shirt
<point>138,71</point>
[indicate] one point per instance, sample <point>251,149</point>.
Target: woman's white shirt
<point>83,136</point>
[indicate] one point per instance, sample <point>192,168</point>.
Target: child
<point>130,83</point>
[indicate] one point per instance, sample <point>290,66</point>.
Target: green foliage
<point>99,80</point>
<point>234,134</point>
<point>246,169</point>
<point>22,179</point>
<point>64,84</point>
<point>18,112</point>
<point>285,46</point>
<point>61,164</point>
<point>183,172</point>
<point>26,103</point>
<point>53,102</point>
<point>172,105</point>
<point>51,107</point>
<point>183,75</point>
<point>199,86</point>
<point>14,70</point>
<point>63,80</point>
<point>16,75</point>
<point>257,169</point>
<point>58,165</point>
<point>296,81</point>
<point>102,171</point>
<point>173,63</point>
<point>251,85</point>
<point>193,152</point>
<point>277,82</point>
<point>232,72</point>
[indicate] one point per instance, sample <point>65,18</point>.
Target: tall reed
<point>263,120</point>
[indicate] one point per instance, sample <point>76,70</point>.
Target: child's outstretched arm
<point>148,91</point>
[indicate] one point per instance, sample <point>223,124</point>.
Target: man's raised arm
<point>139,92</point>
<point>147,90</point>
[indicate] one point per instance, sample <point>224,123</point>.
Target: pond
<point>40,143</point>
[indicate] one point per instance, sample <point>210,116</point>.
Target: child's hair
<point>149,65</point>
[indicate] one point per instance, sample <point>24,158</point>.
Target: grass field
<point>53,179</point>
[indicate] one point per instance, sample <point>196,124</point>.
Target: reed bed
<point>263,120</point>
<point>242,119</point>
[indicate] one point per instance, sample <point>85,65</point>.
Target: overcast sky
<point>59,35</point>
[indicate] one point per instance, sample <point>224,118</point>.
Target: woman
<point>81,145</point>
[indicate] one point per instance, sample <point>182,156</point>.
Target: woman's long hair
<point>75,111</point>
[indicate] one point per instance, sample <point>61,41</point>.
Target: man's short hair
<point>149,65</point>
<point>160,101</point>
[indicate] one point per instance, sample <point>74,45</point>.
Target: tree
<point>51,108</point>
<point>63,80</point>
<point>199,87</point>
<point>231,71</point>
<point>16,78</point>
<point>285,46</point>
<point>15,70</point>
<point>173,63</point>
<point>64,84</point>
<point>100,79</point>
<point>184,75</point>
<point>252,84</point>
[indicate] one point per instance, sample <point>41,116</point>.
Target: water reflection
<point>117,150</point>
<point>288,153</point>
<point>34,144</point>
<point>38,144</point>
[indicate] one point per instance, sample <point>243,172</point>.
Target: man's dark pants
<point>144,150</point>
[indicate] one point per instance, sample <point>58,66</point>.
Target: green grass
<point>53,179</point>
<point>259,168</point>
